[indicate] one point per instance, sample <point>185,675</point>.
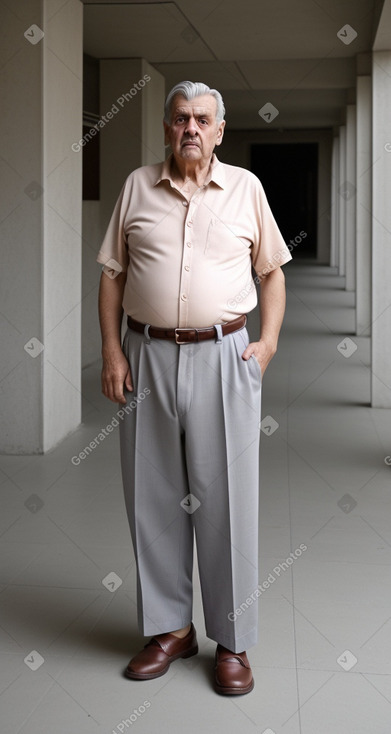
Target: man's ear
<point>220,132</point>
<point>166,131</point>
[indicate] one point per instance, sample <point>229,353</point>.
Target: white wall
<point>62,114</point>
<point>350,200</point>
<point>364,205</point>
<point>92,238</point>
<point>381,228</point>
<point>41,95</point>
<point>334,244</point>
<point>21,235</point>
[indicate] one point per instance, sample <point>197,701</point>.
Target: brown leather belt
<point>187,335</point>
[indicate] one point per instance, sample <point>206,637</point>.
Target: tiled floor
<point>323,662</point>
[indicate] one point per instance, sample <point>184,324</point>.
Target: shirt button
<point>185,203</point>
<point>187,268</point>
<point>188,244</point>
<point>184,297</point>
<point>190,223</point>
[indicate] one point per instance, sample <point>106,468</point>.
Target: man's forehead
<point>204,103</point>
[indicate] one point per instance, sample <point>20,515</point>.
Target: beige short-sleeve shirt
<point>189,263</point>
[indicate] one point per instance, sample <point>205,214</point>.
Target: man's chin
<point>190,151</point>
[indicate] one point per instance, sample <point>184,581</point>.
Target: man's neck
<point>187,171</point>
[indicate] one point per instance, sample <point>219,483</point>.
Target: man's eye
<point>203,122</point>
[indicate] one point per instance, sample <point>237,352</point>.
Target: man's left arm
<point>272,305</point>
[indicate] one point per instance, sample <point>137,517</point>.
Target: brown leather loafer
<point>233,674</point>
<point>155,659</point>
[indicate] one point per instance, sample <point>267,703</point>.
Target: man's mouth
<point>190,142</point>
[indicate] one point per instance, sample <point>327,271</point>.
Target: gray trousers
<point>190,463</point>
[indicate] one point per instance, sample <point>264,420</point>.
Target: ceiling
<point>286,52</point>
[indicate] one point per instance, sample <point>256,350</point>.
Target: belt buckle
<point>177,332</point>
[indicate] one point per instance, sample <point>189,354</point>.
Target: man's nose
<point>191,127</point>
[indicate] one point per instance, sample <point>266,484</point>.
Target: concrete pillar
<point>342,202</point>
<point>334,249</point>
<point>133,92</point>
<point>363,206</point>
<point>324,195</point>
<point>41,93</point>
<point>381,228</point>
<point>349,194</point>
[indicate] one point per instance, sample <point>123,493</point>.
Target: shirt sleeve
<point>113,254</point>
<point>269,249</point>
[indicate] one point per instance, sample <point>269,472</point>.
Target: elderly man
<point>177,259</point>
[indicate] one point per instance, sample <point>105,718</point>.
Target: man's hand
<point>115,370</point>
<point>262,351</point>
<point>272,305</point>
<point>116,375</point>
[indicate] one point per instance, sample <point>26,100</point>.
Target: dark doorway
<point>289,175</point>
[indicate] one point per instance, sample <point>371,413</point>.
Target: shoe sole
<point>150,676</point>
<point>224,691</point>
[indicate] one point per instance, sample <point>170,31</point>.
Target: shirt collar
<point>216,173</point>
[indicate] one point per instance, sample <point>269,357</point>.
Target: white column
<point>334,254</point>
<point>349,194</point>
<point>342,202</point>
<point>324,202</point>
<point>41,93</point>
<point>133,92</point>
<point>381,229</point>
<point>363,206</point>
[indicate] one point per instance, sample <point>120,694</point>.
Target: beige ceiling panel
<point>118,2</point>
<point>305,108</point>
<point>156,32</point>
<point>217,74</point>
<point>282,29</point>
<point>300,73</point>
<point>383,33</point>
<point>286,52</point>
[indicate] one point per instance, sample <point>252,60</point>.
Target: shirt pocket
<point>226,236</point>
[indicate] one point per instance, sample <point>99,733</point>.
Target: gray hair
<point>189,90</point>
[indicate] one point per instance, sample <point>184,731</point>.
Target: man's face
<point>193,131</point>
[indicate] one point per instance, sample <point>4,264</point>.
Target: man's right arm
<point>115,368</point>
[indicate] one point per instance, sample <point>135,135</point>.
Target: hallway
<point>65,637</point>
